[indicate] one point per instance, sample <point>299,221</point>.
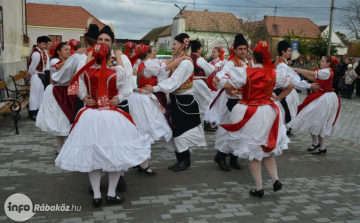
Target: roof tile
<point>59,16</point>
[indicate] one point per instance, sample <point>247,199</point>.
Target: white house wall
<point>336,40</point>
<point>164,43</point>
<point>67,34</point>
<point>212,40</point>
<point>14,27</point>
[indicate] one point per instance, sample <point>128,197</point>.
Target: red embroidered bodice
<point>326,85</point>
<point>198,71</point>
<point>254,91</point>
<point>92,77</point>
<point>142,80</point>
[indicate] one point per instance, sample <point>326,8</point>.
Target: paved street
<point>316,188</point>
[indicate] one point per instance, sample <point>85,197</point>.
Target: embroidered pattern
<point>103,102</point>
<point>73,89</point>
<point>154,99</point>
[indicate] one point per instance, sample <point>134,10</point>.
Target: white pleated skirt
<point>104,140</point>
<point>148,117</point>
<point>246,143</point>
<point>50,117</point>
<point>318,117</point>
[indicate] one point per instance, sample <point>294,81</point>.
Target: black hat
<point>240,41</point>
<point>42,39</point>
<point>92,31</point>
<point>283,46</point>
<point>195,45</point>
<point>181,37</point>
<point>107,30</point>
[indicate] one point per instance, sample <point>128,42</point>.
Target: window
<point>56,38</point>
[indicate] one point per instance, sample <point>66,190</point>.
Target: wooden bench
<point>21,90</point>
<point>12,107</point>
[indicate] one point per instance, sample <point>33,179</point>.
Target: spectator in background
<point>350,77</point>
<point>312,65</point>
<point>307,60</point>
<point>300,65</point>
<point>357,71</point>
<point>337,76</point>
<point>342,85</point>
<point>354,63</point>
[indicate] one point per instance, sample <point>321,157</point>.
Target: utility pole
<point>330,27</point>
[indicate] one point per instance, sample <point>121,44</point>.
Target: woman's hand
<point>89,101</point>
<point>148,88</point>
<point>216,81</point>
<point>114,101</point>
<point>230,90</point>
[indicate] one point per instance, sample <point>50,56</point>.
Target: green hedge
<point>164,53</point>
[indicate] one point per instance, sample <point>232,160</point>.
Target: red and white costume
<point>217,63</point>
<point>102,136</point>
<point>319,112</point>
<point>202,70</point>
<point>147,109</point>
<point>220,107</point>
<point>56,112</point>
<point>38,61</point>
<point>256,129</point>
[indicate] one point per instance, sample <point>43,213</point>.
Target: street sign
<point>294,45</point>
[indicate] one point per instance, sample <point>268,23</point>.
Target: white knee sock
<point>322,142</point>
<point>270,165</point>
<point>95,178</point>
<point>315,139</point>
<point>60,142</point>
<point>255,169</point>
<point>113,181</point>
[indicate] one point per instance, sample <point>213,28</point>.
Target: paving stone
<point>313,190</point>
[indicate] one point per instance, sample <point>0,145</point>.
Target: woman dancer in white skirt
<point>256,130</point>
<point>103,137</point>
<point>218,57</point>
<point>51,118</point>
<point>150,111</point>
<point>319,112</point>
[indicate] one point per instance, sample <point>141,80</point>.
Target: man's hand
<point>89,101</point>
<point>114,101</point>
<point>148,88</point>
<point>230,90</point>
<point>118,53</point>
<point>275,97</point>
<point>315,87</point>
<point>216,81</point>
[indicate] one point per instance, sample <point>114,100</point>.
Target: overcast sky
<point>134,18</point>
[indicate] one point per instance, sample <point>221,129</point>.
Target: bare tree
<point>350,18</point>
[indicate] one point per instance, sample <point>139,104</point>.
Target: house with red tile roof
<point>213,28</point>
<point>274,28</point>
<point>59,22</point>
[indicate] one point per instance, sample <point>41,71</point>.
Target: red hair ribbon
<point>232,53</point>
<point>52,49</point>
<point>222,52</point>
<point>263,47</point>
<point>101,50</point>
